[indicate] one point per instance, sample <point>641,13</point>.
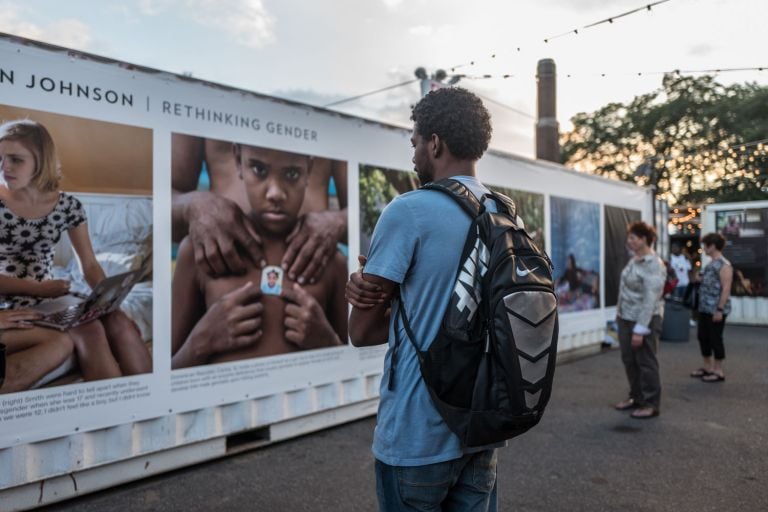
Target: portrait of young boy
<point>217,319</point>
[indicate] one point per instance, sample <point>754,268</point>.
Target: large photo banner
<point>576,253</point>
<point>186,247</point>
<point>265,307</point>
<point>746,234</point>
<point>259,267</point>
<point>617,253</point>
<point>76,299</point>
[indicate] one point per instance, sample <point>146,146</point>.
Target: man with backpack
<point>420,240</point>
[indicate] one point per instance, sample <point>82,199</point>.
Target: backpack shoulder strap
<point>505,204</point>
<point>460,193</point>
<point>400,314</point>
<point>467,200</point>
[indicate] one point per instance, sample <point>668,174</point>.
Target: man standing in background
<point>682,267</point>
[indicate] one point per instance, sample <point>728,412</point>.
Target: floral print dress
<point>27,245</point>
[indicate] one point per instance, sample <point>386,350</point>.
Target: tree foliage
<point>686,138</point>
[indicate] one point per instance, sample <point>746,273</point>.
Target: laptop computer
<point>74,309</point>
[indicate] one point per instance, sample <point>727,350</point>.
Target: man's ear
<point>435,145</point>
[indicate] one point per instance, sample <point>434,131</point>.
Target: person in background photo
<point>714,306</point>
<point>741,285</point>
<point>218,319</point>
<point>31,352</point>
<point>639,315</point>
<point>217,223</point>
<point>680,263</point>
<point>732,227</point>
<point>34,214</point>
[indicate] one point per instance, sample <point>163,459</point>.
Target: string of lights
<point>575,31</point>
<point>635,73</point>
<point>608,20</point>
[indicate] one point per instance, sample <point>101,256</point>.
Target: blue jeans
<point>467,484</point>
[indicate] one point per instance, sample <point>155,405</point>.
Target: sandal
<point>626,405</point>
<point>644,413</point>
<point>701,372</point>
<point>713,377</point>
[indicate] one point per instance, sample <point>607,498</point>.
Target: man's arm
<point>370,326</point>
<point>187,303</point>
<point>216,225</point>
<point>187,154</point>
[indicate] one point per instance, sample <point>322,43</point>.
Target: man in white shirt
<point>682,267</point>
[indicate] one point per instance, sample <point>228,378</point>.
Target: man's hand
<point>717,317</point>
<point>232,322</point>
<point>361,293</point>
<point>305,322</point>
<point>18,319</point>
<point>221,234</point>
<point>637,341</point>
<point>312,244</point>
<point>51,288</point>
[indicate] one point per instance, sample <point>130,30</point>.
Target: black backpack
<point>489,369</point>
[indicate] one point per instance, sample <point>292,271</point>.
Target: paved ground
<point>708,451</point>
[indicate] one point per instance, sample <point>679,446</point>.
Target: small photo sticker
<point>272,280</point>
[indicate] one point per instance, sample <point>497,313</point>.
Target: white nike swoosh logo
<point>524,273</point>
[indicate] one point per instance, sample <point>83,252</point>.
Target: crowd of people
<point>645,282</point>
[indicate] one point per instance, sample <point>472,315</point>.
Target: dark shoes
<point>639,412</point>
<point>701,372</point>
<point>644,413</point>
<point>626,405</point>
<point>707,376</point>
<point>713,377</point>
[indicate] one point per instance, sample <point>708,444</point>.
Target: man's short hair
<point>642,230</point>
<point>715,239</point>
<point>458,117</point>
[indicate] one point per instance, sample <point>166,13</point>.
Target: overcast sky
<point>320,51</point>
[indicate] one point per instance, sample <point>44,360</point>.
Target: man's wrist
<point>720,310</point>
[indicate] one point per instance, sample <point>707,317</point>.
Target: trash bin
<point>676,325</point>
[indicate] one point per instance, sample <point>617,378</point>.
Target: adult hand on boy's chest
<point>221,236</point>
<point>305,322</point>
<point>312,244</point>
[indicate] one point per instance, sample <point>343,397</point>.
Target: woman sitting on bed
<point>33,215</point>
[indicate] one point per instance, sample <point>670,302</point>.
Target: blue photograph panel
<point>576,253</point>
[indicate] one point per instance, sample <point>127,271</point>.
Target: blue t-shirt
<point>417,243</point>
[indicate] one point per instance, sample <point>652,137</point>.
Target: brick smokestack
<point>547,129</point>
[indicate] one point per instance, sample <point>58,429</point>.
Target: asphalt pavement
<point>707,451</point>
